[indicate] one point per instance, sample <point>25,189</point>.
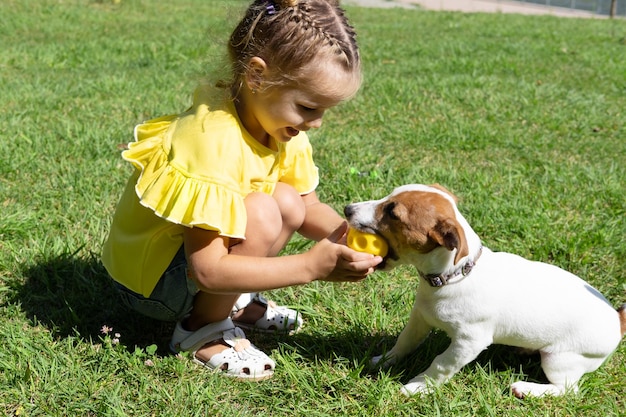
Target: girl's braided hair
<point>288,34</point>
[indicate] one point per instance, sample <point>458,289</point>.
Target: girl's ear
<point>256,73</point>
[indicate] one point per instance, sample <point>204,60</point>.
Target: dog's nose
<point>348,211</point>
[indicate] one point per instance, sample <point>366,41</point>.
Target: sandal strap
<point>208,333</point>
<point>243,300</point>
<point>275,318</point>
<point>282,318</point>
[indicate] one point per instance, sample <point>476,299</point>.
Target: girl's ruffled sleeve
<point>176,195</point>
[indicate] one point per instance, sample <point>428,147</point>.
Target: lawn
<point>523,117</point>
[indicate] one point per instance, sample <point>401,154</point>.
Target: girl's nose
<point>314,123</point>
<point>314,119</point>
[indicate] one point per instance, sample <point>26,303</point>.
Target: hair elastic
<point>270,9</point>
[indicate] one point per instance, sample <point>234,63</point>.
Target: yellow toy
<point>367,242</point>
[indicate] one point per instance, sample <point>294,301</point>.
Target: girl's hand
<point>336,262</point>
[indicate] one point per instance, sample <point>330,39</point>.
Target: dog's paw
<point>382,361</point>
<point>418,385</point>
<point>377,360</point>
<point>522,389</point>
<point>416,388</point>
<point>519,390</point>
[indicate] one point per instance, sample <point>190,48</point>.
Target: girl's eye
<point>305,108</point>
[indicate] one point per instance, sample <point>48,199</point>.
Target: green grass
<point>522,116</point>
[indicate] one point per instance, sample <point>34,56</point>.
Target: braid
<point>288,34</point>
<point>306,21</point>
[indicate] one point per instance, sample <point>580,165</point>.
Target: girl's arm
<point>215,270</point>
<point>320,219</point>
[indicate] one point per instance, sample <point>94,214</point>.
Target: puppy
<point>479,297</point>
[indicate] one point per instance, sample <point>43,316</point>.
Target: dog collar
<point>443,279</point>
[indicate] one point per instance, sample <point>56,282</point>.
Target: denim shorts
<point>171,299</point>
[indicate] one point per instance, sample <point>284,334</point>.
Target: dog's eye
<point>389,211</point>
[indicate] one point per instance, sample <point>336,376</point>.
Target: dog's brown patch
<point>622,318</point>
<point>422,220</point>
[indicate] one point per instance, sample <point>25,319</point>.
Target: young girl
<point>220,189</point>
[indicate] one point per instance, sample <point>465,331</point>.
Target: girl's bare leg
<point>272,220</point>
<point>292,210</point>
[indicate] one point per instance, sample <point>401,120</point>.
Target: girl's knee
<point>290,205</point>
<point>263,226</point>
<point>272,219</point>
<point>263,214</point>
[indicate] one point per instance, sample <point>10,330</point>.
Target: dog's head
<point>420,223</point>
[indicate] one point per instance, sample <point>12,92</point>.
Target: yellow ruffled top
<point>194,170</point>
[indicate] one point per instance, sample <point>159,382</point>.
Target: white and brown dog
<point>479,297</point>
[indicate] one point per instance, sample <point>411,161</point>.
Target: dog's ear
<point>449,234</point>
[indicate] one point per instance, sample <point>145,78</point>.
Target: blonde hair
<point>288,34</point>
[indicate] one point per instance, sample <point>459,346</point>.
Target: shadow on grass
<point>359,346</point>
<point>74,296</point>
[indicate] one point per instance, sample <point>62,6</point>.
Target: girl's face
<point>281,112</point>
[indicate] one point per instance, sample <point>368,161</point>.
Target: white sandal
<point>275,319</point>
<point>242,360</point>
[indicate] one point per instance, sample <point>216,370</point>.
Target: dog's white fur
<point>504,299</point>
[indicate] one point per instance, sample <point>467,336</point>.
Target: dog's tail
<point>622,318</point>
